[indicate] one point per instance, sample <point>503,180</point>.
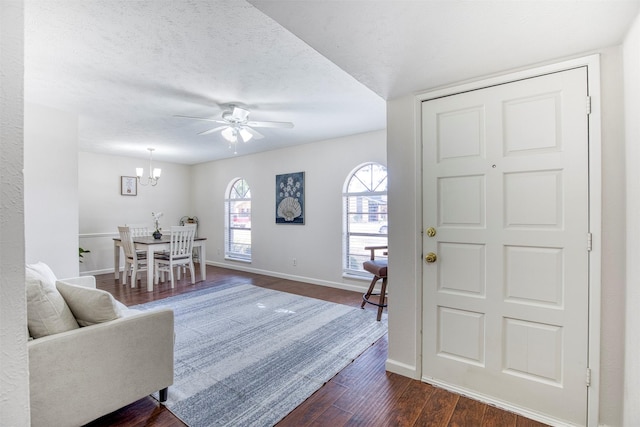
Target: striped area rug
<point>247,356</point>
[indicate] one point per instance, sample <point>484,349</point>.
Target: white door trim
<point>592,63</point>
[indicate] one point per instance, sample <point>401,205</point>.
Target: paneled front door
<point>505,191</point>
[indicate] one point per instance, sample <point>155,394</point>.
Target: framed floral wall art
<point>290,198</point>
<point>128,186</point>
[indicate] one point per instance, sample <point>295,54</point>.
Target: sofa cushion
<point>47,311</point>
<point>88,305</point>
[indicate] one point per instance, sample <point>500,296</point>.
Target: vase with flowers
<point>156,220</point>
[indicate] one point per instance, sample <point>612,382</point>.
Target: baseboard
<point>97,272</point>
<point>244,267</point>
<point>311,280</point>
<point>403,369</point>
<point>536,416</point>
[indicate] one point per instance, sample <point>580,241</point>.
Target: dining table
<point>151,245</point>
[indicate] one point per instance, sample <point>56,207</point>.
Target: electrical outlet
<point>294,262</point>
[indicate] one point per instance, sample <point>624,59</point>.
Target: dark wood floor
<point>362,394</point>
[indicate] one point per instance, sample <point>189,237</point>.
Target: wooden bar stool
<point>378,268</point>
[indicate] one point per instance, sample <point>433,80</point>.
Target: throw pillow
<point>47,311</point>
<point>89,305</point>
<point>45,271</point>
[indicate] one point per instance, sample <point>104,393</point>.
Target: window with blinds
<point>238,221</point>
<point>364,215</point>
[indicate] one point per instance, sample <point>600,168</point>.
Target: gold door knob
<point>431,231</point>
<point>430,257</point>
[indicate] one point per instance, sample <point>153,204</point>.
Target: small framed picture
<point>128,186</point>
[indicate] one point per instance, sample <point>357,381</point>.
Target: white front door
<point>505,188</point>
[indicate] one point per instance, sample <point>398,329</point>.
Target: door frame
<point>592,63</point>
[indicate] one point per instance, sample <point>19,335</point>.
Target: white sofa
<point>86,372</point>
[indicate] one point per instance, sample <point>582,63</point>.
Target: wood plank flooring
<point>362,394</point>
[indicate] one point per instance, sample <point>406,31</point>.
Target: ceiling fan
<point>236,126</point>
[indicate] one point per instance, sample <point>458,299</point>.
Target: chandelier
<point>154,174</point>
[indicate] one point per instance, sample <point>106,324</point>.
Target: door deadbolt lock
<point>430,257</point>
<point>431,231</point>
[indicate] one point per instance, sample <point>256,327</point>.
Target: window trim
<point>347,271</point>
<point>229,228</point>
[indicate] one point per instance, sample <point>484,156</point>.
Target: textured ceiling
<point>127,67</point>
<point>398,47</point>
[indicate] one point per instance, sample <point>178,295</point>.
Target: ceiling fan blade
<point>207,132</point>
<point>200,118</point>
<point>270,124</point>
<point>255,133</point>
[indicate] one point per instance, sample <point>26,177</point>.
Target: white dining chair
<point>134,261</point>
<point>180,254</point>
<point>138,230</point>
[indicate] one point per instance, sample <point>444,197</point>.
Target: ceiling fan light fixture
<point>229,134</point>
<point>245,134</point>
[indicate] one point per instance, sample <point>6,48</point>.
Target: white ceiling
<point>127,67</point>
<point>399,47</point>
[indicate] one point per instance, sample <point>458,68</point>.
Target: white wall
<point>613,239</point>
<point>102,208</point>
<point>14,363</point>
<point>51,188</point>
<point>405,225</point>
<point>200,191</point>
<point>404,241</point>
<point>632,313</point>
<point>316,244</point>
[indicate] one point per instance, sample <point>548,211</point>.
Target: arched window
<point>237,241</point>
<point>364,215</point>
